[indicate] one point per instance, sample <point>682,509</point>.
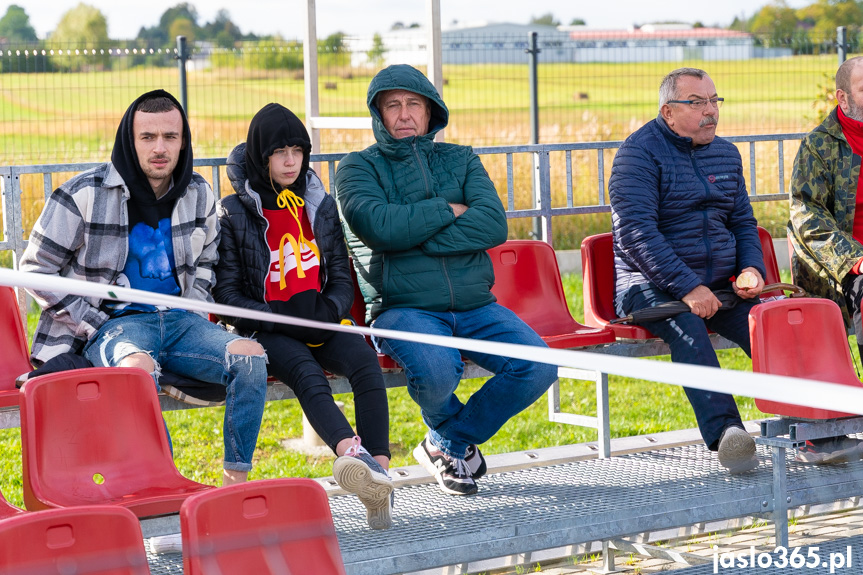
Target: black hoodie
<point>150,218</point>
<point>272,128</point>
<point>125,159</point>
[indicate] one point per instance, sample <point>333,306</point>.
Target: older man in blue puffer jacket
<point>683,226</point>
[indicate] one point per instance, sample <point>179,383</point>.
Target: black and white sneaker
<point>453,475</point>
<point>475,461</point>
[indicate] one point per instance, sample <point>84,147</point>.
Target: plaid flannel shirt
<point>83,233</point>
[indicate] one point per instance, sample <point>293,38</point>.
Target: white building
<point>479,43</point>
<point>502,43</point>
<point>659,43</point>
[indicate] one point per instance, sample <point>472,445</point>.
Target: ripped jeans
<point>187,344</point>
<point>686,334</point>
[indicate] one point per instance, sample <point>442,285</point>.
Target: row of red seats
<point>266,526</point>
<point>527,282</point>
<point>95,437</point>
<point>79,427</point>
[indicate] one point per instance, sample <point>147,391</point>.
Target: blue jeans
<point>433,372</point>
<point>187,344</point>
<point>686,335</point>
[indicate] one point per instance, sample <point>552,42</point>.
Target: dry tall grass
<point>586,191</point>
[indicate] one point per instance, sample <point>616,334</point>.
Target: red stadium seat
<point>597,263</point>
<point>597,268</point>
<point>93,539</point>
<point>272,526</point>
<point>801,337</point>
<point>358,312</point>
<point>7,509</point>
<point>96,436</point>
<point>15,358</point>
<point>770,264</point>
<point>527,281</point>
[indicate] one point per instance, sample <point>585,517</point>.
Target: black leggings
<point>852,286</point>
<point>300,367</point>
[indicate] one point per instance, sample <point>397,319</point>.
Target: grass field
<point>72,117</point>
<point>636,407</point>
<point>66,117</point>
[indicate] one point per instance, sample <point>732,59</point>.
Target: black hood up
<point>274,127</point>
<point>125,159</point>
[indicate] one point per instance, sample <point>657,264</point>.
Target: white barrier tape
<point>792,390</point>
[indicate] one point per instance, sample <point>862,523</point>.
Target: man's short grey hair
<point>843,74</point>
<point>668,87</point>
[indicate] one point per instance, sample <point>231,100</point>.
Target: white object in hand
<point>747,280</point>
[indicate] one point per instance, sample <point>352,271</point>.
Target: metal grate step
<point>566,504</point>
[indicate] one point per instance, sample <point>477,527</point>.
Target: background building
<point>505,43</point>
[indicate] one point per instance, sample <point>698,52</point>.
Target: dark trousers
<point>300,367</point>
<point>852,286</point>
<point>687,336</point>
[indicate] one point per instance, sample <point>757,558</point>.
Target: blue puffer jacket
<point>681,216</point>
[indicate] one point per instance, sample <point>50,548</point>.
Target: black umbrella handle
<point>796,291</point>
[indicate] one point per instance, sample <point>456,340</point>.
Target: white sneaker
<point>358,472</point>
<point>172,543</point>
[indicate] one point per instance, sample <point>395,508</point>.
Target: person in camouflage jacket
<point>823,195</point>
<point>828,253</point>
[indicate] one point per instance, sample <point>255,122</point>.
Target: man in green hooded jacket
<point>421,215</point>
<point>826,227</point>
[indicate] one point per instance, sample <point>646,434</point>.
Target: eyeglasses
<point>700,104</point>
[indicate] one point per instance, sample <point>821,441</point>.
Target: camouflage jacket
<point>823,196</point>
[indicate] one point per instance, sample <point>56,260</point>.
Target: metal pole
<point>435,52</point>
<point>310,77</point>
<point>841,46</point>
<point>182,56</point>
<point>533,53</point>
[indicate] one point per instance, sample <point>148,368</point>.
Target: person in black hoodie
<point>145,220</point>
<point>283,250</point>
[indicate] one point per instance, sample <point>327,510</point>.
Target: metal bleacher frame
<point>584,496</point>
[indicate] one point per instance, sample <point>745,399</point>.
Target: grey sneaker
<point>737,450</point>
<point>358,472</point>
<point>830,450</point>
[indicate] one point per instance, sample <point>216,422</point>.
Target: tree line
<point>806,30</point>
<point>85,28</point>
<point>819,19</point>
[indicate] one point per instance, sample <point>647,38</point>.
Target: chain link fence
<point>63,103</point>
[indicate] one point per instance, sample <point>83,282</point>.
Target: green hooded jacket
<point>408,247</point>
<point>823,196</point>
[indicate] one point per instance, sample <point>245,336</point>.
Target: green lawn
<point>72,117</point>
<point>67,117</point>
<point>637,407</point>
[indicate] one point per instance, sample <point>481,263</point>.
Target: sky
<point>284,17</point>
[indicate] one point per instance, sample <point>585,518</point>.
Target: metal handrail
<point>541,155</point>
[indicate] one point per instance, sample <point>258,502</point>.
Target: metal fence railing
<point>570,201</point>
<point>62,104</point>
